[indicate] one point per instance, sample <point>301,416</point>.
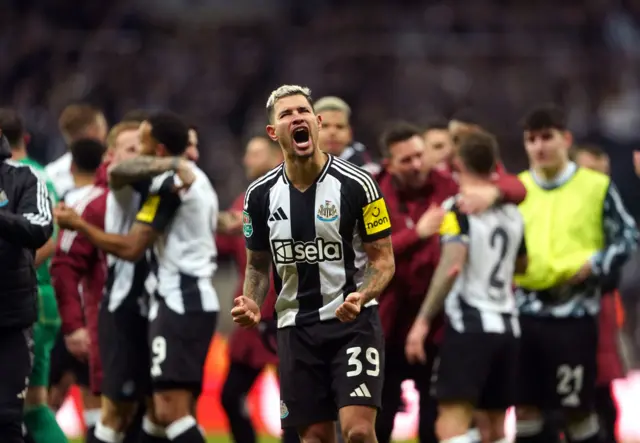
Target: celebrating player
<point>477,360</point>
<point>324,224</point>
<point>178,220</point>
<point>77,259</point>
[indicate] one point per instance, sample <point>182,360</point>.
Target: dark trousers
<point>16,360</point>
<point>239,381</point>
<point>397,370</point>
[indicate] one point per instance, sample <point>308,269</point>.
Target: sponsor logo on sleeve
<point>247,224</point>
<point>376,217</point>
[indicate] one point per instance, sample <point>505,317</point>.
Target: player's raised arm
<point>145,167</point>
<point>151,221</point>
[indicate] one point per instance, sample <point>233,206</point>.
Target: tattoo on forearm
<point>441,284</point>
<point>139,168</point>
<point>256,278</point>
<point>378,272</point>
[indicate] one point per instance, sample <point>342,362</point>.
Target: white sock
<point>107,435</point>
<point>474,435</point>
<point>180,426</point>
<point>91,417</point>
<point>152,429</point>
<point>529,428</point>
<point>502,440</point>
<point>458,439</point>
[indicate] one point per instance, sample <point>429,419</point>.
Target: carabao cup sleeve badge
<point>247,225</point>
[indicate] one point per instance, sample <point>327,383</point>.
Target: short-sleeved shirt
<point>184,257</point>
<point>315,237</point>
<point>482,297</point>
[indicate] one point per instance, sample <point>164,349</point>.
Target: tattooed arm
<point>452,259</point>
<point>379,270</point>
<point>256,277</point>
<point>142,168</point>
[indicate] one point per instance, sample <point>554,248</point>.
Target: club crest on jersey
<point>247,225</point>
<point>327,212</point>
<point>284,412</point>
<point>3,199</point>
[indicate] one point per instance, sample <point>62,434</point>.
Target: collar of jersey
<point>560,180</point>
<point>320,177</point>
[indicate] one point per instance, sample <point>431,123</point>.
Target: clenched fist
<point>66,217</point>
<point>245,312</point>
<point>350,308</point>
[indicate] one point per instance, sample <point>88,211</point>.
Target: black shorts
<point>557,366</point>
<point>62,361</point>
<point>179,347</point>
<point>124,351</point>
<point>329,365</point>
<point>16,362</point>
<point>477,367</point>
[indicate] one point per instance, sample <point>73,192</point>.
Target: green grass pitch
<point>211,439</point>
<point>227,439</point>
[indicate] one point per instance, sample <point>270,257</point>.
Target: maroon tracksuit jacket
<point>77,263</point>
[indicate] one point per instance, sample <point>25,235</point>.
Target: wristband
<point>175,164</point>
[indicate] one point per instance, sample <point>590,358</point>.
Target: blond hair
<point>286,91</point>
<point>118,129</point>
<point>331,103</point>
<point>76,119</point>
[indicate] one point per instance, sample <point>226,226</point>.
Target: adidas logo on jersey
<point>278,215</point>
<point>361,391</point>
<point>288,252</point>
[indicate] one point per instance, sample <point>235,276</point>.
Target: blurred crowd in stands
<point>416,60</point>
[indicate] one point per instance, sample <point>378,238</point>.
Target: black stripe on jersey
<point>472,318</point>
<point>190,291</point>
<point>303,229</point>
<point>348,255</point>
<point>137,288</point>
<point>360,176</point>
<point>351,184</point>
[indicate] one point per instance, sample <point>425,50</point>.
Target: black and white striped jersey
<point>125,279</point>
<point>315,237</point>
<point>482,298</point>
<point>184,256</point>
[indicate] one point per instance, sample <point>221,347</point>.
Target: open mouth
<point>301,137</point>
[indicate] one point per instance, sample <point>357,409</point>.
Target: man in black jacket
<point>26,224</point>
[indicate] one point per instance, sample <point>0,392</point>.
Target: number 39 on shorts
<point>371,360</point>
